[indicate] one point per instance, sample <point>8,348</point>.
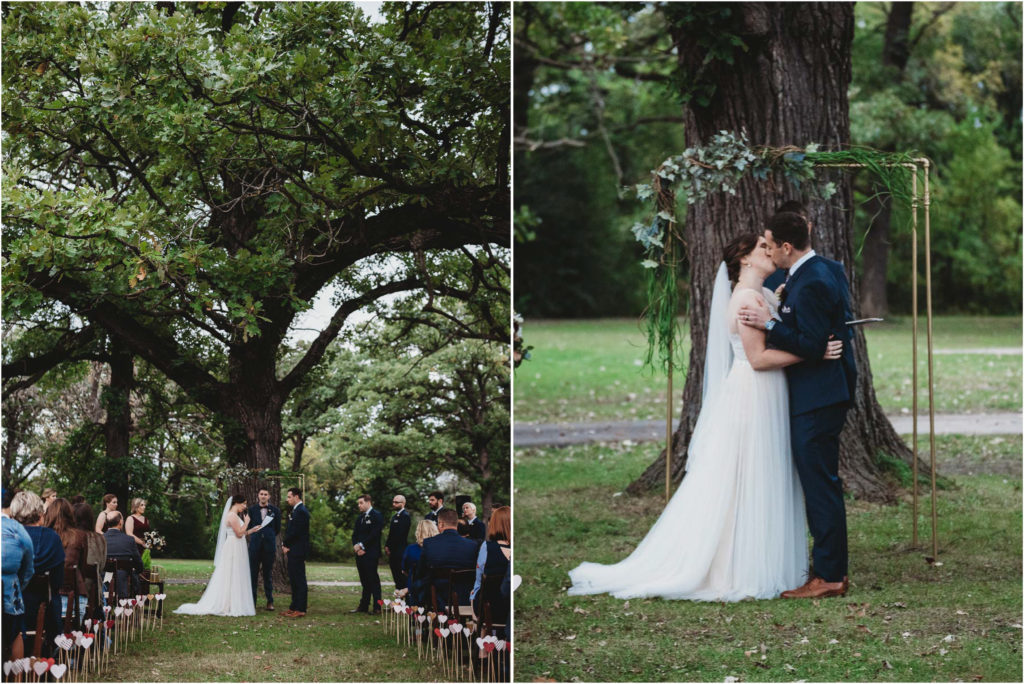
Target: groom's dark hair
<point>790,227</point>
<point>794,207</point>
<point>296,491</point>
<point>365,497</point>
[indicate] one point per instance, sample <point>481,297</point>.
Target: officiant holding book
<point>264,526</point>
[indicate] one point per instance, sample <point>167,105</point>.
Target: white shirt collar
<point>799,262</point>
<point>470,521</point>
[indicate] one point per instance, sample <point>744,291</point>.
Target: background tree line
<point>597,106</point>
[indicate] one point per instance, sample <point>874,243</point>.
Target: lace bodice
<point>738,354</point>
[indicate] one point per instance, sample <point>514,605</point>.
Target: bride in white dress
<point>735,527</point>
<point>229,591</point>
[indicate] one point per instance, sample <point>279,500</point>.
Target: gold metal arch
<point>919,166</point>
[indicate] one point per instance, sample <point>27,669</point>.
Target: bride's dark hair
<point>736,250</point>
<point>237,499</point>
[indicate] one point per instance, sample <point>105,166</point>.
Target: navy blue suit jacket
<point>268,535</point>
<point>773,281</point>
<point>449,550</point>
<point>296,535</point>
<point>367,528</point>
<point>816,304</point>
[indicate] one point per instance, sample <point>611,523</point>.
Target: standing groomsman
<point>398,539</point>
<point>436,502</point>
<point>263,544</point>
<point>296,548</point>
<point>366,544</point>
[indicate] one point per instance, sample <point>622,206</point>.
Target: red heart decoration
<point>110,624</point>
<point>51,661</point>
<point>488,646</point>
<point>408,610</point>
<point>437,631</point>
<point>90,636</point>
<point>380,602</point>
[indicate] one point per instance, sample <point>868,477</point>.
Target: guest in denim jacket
<point>18,566</point>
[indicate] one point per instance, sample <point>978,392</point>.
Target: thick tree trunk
<point>118,424</point>
<point>874,300</point>
<point>788,89</point>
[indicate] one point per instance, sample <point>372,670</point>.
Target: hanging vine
<point>719,167</point>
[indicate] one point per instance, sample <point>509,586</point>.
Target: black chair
<point>120,585</point>
<point>495,608</point>
<point>40,586</point>
<point>448,589</point>
<point>70,590</point>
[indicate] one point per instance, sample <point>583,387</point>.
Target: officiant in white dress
<point>229,591</point>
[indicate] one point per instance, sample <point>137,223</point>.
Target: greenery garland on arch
<point>719,167</point>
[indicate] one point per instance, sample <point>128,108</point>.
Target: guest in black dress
<point>494,560</point>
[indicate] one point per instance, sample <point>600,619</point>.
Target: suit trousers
<point>815,439</point>
<point>395,562</point>
<point>297,577</point>
<point>262,556</point>
<point>369,578</point>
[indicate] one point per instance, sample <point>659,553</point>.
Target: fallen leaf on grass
<point>864,628</point>
<point>949,638</point>
<point>570,637</point>
<point>833,641</point>
<point>886,664</point>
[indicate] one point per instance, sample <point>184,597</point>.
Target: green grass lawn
<point>179,568</point>
<point>593,369</point>
<point>328,645</point>
<point>903,620</point>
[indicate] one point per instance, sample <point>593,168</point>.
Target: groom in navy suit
<point>814,308</point>
<point>263,544</point>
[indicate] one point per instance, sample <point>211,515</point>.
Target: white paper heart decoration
<point>499,645</point>
<point>58,670</point>
<point>119,611</point>
<point>16,667</point>
<point>128,611</point>
<point>76,633</point>
<point>445,632</point>
<point>420,609</point>
<point>387,602</point>
<point>442,619</point>
<point>479,643</point>
<point>86,642</point>
<point>26,664</point>
<point>40,667</point>
<point>421,618</point>
<point>123,602</point>
<point>88,624</point>
<point>106,610</point>
<point>161,597</point>
<point>7,667</point>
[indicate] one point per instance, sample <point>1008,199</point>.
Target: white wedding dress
<point>735,527</point>
<point>229,591</point>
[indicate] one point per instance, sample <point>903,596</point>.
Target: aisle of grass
<point>593,369</point>
<point>903,620</point>
<point>328,645</point>
<point>192,568</point>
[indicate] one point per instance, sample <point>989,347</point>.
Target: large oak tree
<point>189,181</point>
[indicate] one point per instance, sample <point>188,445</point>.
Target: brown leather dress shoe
<point>287,613</point>
<point>816,587</point>
<point>294,614</point>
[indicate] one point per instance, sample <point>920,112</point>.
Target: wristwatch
<point>769,324</point>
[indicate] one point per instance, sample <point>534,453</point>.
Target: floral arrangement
<point>719,166</point>
<point>153,541</point>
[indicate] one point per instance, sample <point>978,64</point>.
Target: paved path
<point>564,434</point>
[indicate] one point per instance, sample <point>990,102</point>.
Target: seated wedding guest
<point>48,495</point>
<point>121,546</point>
<point>16,552</point>
<point>477,528</point>
<point>48,558</point>
<point>425,530</point>
<point>60,518</point>
<point>137,524</point>
<point>494,560</point>
<point>109,506</point>
<point>447,550</point>
<point>96,555</point>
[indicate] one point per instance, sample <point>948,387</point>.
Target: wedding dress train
<point>735,527</point>
<point>230,589</point>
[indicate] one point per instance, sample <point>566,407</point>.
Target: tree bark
<point>874,300</point>
<point>789,88</point>
<point>118,424</point>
